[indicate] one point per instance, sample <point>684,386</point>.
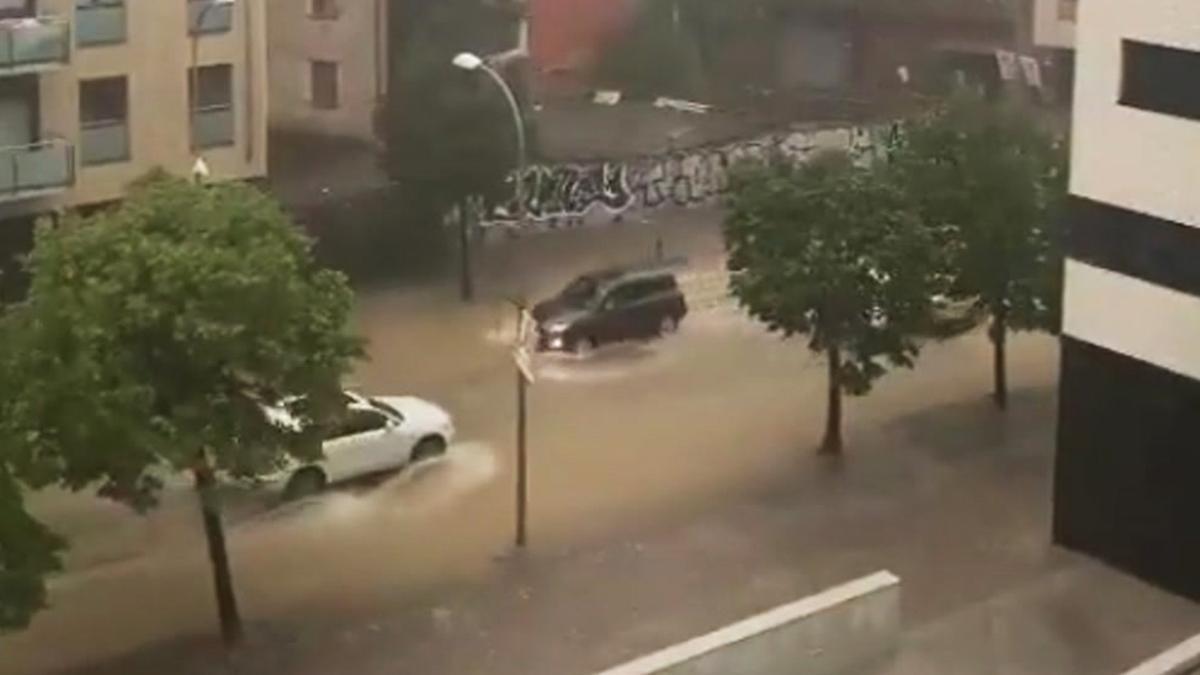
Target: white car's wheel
<point>429,448</point>
<point>306,482</point>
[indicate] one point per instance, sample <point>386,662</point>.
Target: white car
<point>377,435</point>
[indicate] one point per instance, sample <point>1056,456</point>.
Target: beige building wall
<point>355,39</point>
<point>1054,23</point>
<point>156,57</point>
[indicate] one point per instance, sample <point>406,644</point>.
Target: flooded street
<point>634,434</point>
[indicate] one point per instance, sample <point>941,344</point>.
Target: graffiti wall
<point>565,194</point>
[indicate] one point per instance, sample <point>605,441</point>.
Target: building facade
<point>1054,23</point>
<point>328,65</point>
<point>96,93</point>
<point>1128,450</point>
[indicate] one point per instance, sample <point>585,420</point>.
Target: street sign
<point>524,363</point>
<point>526,328</point>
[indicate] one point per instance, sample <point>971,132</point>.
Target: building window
<point>14,9</point>
<point>212,109</point>
<point>323,9</point>
<point>99,22</point>
<point>323,84</point>
<point>1160,79</point>
<point>209,16</point>
<point>1067,10</point>
<point>104,121</point>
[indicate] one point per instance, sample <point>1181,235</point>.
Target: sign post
<point>525,377</point>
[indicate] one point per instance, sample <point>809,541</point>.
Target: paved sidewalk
<point>955,500</point>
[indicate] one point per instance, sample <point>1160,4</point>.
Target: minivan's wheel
<point>428,448</point>
<point>668,325</point>
<point>306,482</point>
<point>583,346</point>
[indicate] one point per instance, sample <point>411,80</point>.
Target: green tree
<point>154,339</point>
<point>829,250</point>
<point>28,551</point>
<point>990,182</point>
<point>449,132</point>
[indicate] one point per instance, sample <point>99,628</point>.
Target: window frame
<point>1154,78</point>
<point>197,107</point>
<point>340,431</point>
<point>316,14</point>
<point>85,124</point>
<point>314,65</point>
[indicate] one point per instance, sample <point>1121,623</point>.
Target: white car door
<point>360,446</point>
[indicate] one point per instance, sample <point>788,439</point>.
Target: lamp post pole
<point>471,62</point>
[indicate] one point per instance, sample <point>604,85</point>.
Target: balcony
<point>213,126</point>
<point>100,22</point>
<point>34,44</point>
<point>209,16</point>
<point>36,169</point>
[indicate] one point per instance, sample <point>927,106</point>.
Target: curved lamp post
<point>471,62</point>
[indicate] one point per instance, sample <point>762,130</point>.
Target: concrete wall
<point>355,40</point>
<point>1125,474</point>
<point>1106,136</point>
<point>844,627</point>
<point>1182,659</point>
<point>155,58</point>
<point>1052,26</point>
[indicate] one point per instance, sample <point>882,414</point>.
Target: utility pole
<point>525,377</point>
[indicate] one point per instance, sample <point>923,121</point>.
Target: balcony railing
<point>34,43</point>
<point>100,23</point>
<point>104,143</point>
<point>37,168</point>
<point>213,126</point>
<point>209,16</point>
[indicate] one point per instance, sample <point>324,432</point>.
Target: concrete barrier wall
<point>1182,659</point>
<point>849,626</point>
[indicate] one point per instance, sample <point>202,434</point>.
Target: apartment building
<point>1054,34</point>
<point>1129,438</point>
<point>328,65</point>
<point>95,93</point>
<point>1054,23</point>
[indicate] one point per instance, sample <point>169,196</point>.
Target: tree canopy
<point>154,338</point>
<point>991,183</point>
<point>830,250</point>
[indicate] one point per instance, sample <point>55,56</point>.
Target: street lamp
<point>471,63</point>
<point>197,30</point>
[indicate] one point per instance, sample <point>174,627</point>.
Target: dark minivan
<point>610,306</point>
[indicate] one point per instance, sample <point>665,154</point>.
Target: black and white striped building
<point>1127,483</point>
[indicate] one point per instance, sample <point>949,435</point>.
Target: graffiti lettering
<point>557,195</point>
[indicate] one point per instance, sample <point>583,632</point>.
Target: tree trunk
<point>466,280</point>
<point>832,445</point>
<point>214,533</point>
<point>999,335</point>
